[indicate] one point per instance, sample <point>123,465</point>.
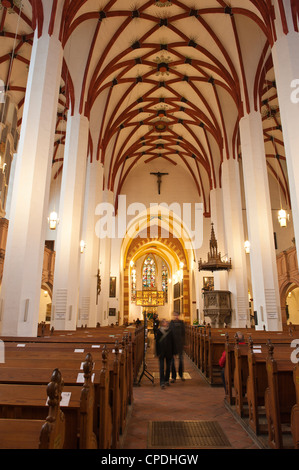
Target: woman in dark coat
<point>177,327</point>
<point>165,351</point>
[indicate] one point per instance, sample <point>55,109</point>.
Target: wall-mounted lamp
<point>282,218</point>
<point>82,246</point>
<point>53,220</point>
<point>247,246</point>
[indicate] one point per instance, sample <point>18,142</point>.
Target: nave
<point>194,400</point>
<point>101,397</point>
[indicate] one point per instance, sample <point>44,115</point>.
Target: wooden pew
<point>24,401</point>
<point>295,409</point>
<point>280,397</point>
<point>44,349</point>
<point>240,375</point>
<point>88,439</point>
<point>229,370</point>
<point>43,329</point>
<point>121,388</point>
<point>33,371</point>
<point>259,338</point>
<point>37,434</point>
<point>215,345</point>
<point>256,387</point>
<point>94,336</point>
<point>105,438</point>
<point>245,377</point>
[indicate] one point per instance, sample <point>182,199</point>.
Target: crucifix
<point>159,179</point>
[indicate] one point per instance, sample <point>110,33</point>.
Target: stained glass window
<point>133,284</point>
<point>165,281</point>
<point>149,273</point>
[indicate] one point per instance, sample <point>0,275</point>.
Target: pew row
<point>112,379</point>
<point>24,401</point>
<point>261,392</point>
<point>35,433</point>
<point>280,398</point>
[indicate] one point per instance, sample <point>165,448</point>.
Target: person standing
<point>177,327</point>
<point>164,351</point>
<point>155,324</point>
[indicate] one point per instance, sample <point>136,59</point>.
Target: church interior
<point>148,167</point>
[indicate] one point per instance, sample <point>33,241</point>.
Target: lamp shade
<point>282,218</point>
<point>53,220</point>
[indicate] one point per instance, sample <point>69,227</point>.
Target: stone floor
<point>192,399</point>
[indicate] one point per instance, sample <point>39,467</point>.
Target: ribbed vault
<point>158,84</point>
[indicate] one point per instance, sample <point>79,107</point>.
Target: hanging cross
<point>159,179</point>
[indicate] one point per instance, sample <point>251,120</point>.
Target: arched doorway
<point>292,304</point>
<point>169,251</point>
<point>45,304</point>
<point>164,236</point>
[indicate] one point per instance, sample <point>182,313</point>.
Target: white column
<point>260,228</point>
<point>105,263</point>
<point>20,293</point>
<point>10,186</point>
<point>234,230</point>
<point>67,260</point>
<point>88,299</point>
<point>286,65</point>
<point>216,197</point>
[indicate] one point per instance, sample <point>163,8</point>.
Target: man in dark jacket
<point>177,327</point>
<point>155,324</point>
<point>164,351</point>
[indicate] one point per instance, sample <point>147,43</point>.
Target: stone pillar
<point>88,299</point>
<point>234,231</point>
<point>260,227</point>
<point>67,261</point>
<point>216,196</point>
<point>20,293</point>
<point>286,65</point>
<point>105,260</point>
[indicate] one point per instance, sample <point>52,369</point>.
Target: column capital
<point>285,18</point>
<point>46,17</point>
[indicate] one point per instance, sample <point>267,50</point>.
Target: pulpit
<point>217,306</point>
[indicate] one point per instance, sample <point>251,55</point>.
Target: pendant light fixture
<point>282,214</point>
<point>82,246</point>
<point>53,220</point>
<point>247,246</point>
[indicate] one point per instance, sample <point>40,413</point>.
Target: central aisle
<point>193,399</point>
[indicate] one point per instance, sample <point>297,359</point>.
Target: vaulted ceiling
<point>159,81</point>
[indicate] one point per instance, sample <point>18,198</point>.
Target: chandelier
<point>283,217</point>
<point>10,4</point>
